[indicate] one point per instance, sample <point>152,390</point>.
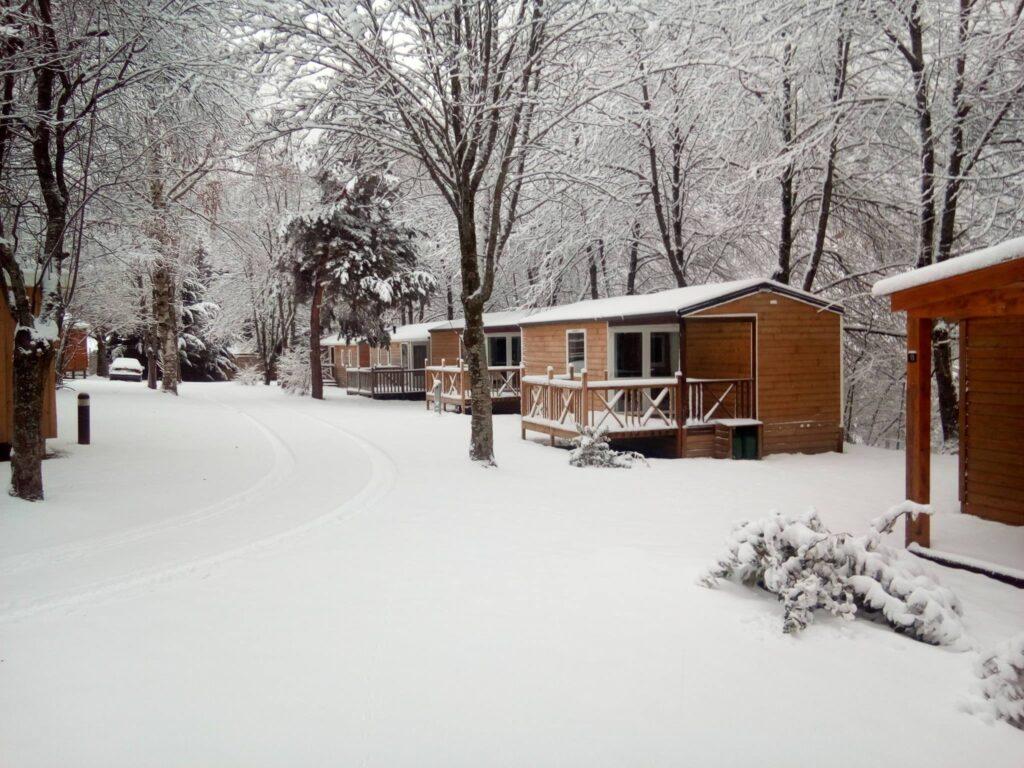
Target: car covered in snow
<point>126,369</point>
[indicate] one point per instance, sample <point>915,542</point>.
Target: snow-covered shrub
<point>1001,691</point>
<point>249,376</point>
<point>293,372</point>
<point>809,568</point>
<point>591,449</point>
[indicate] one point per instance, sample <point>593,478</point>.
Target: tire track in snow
<point>283,467</point>
<point>380,482</point>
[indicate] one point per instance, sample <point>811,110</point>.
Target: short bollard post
<point>83,419</point>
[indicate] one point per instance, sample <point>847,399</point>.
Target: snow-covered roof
<point>969,262</point>
<point>491,320</point>
<point>673,301</point>
<point>414,332</point>
<point>332,340</point>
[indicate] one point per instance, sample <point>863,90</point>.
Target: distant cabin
<point>75,357</point>
<point>391,371</point>
<point>447,374</point>
<point>983,292</point>
<point>738,369</point>
<point>49,419</point>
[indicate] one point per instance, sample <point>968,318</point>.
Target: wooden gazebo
<point>984,293</point>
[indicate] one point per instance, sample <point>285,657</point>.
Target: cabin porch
<point>386,382</point>
<point>448,387</point>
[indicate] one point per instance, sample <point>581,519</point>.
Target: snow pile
<point>248,377</point>
<point>591,449</point>
<point>809,568</point>
<point>293,371</point>
<point>1001,692</point>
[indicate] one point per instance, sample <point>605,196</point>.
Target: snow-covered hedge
<point>249,376</point>
<point>293,371</point>
<point>591,449</point>
<point>1001,691</point>
<point>810,568</point>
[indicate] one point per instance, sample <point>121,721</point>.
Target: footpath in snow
<point>236,577</point>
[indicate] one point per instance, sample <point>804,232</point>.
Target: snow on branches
<point>591,449</point>
<point>294,374</point>
<point>1001,690</point>
<point>809,568</point>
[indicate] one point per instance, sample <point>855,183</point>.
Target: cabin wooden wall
<point>545,345</point>
<point>798,372</point>
<point>445,344</point>
<point>992,418</point>
<point>49,424</point>
<point>76,351</point>
<point>718,349</point>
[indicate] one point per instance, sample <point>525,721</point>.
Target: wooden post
<point>524,400</point>
<point>919,411</point>
<point>549,412</point>
<point>585,398</point>
<point>462,386</point>
<point>683,390</point>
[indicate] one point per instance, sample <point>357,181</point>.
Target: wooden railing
<point>455,384</point>
<point>382,381</point>
<point>567,404</point>
<point>709,399</point>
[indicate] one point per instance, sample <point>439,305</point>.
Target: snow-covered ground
<point>237,577</point>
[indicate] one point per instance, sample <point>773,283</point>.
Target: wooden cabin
<point>739,369</point>
<point>983,292</point>
<point>7,386</point>
<point>75,356</point>
<point>394,371</point>
<point>447,377</point>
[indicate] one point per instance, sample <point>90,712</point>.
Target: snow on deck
<point>960,265</point>
<point>240,577</point>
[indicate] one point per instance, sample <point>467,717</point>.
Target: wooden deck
<point>451,384</point>
<point>386,382</point>
<point>628,409</point>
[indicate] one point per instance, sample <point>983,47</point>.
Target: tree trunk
<point>784,269</point>
<point>102,361</point>
<point>149,340</point>
<point>593,274</point>
<point>450,303</point>
<point>634,259</point>
<point>32,363</point>
<point>165,312</point>
<point>316,372</point>
<point>481,441</point>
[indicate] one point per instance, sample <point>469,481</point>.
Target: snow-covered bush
<point>591,449</point>
<point>1001,691</point>
<point>293,371</point>
<point>809,568</point>
<point>249,376</point>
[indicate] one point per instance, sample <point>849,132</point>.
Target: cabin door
<point>419,356</point>
<point>629,355</point>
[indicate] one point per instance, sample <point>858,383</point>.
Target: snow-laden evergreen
<point>809,568</point>
<point>1000,692</point>
<point>592,449</point>
<point>293,370</point>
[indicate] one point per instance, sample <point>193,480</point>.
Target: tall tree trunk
<point>634,258</point>
<point>102,361</point>
<point>481,428</point>
<point>592,273</point>
<point>32,366</point>
<point>315,369</point>
<point>827,185</point>
<point>784,269</point>
<point>449,303</point>
<point>165,312</point>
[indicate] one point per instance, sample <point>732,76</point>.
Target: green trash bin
<point>744,442</point>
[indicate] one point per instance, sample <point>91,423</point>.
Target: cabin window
<point>576,349</point>
<point>504,350</point>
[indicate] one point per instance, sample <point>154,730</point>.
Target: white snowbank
<point>969,262</point>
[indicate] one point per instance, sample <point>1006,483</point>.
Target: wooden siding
<point>7,382</point>
<point>445,345</point>
<point>544,345</point>
<point>797,372</point>
<point>719,349</point>
<point>992,371</point>
<point>76,351</point>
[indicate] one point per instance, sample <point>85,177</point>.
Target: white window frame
<point>508,345</point>
<point>645,331</point>
<point>583,367</point>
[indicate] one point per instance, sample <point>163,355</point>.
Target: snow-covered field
<point>240,578</point>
